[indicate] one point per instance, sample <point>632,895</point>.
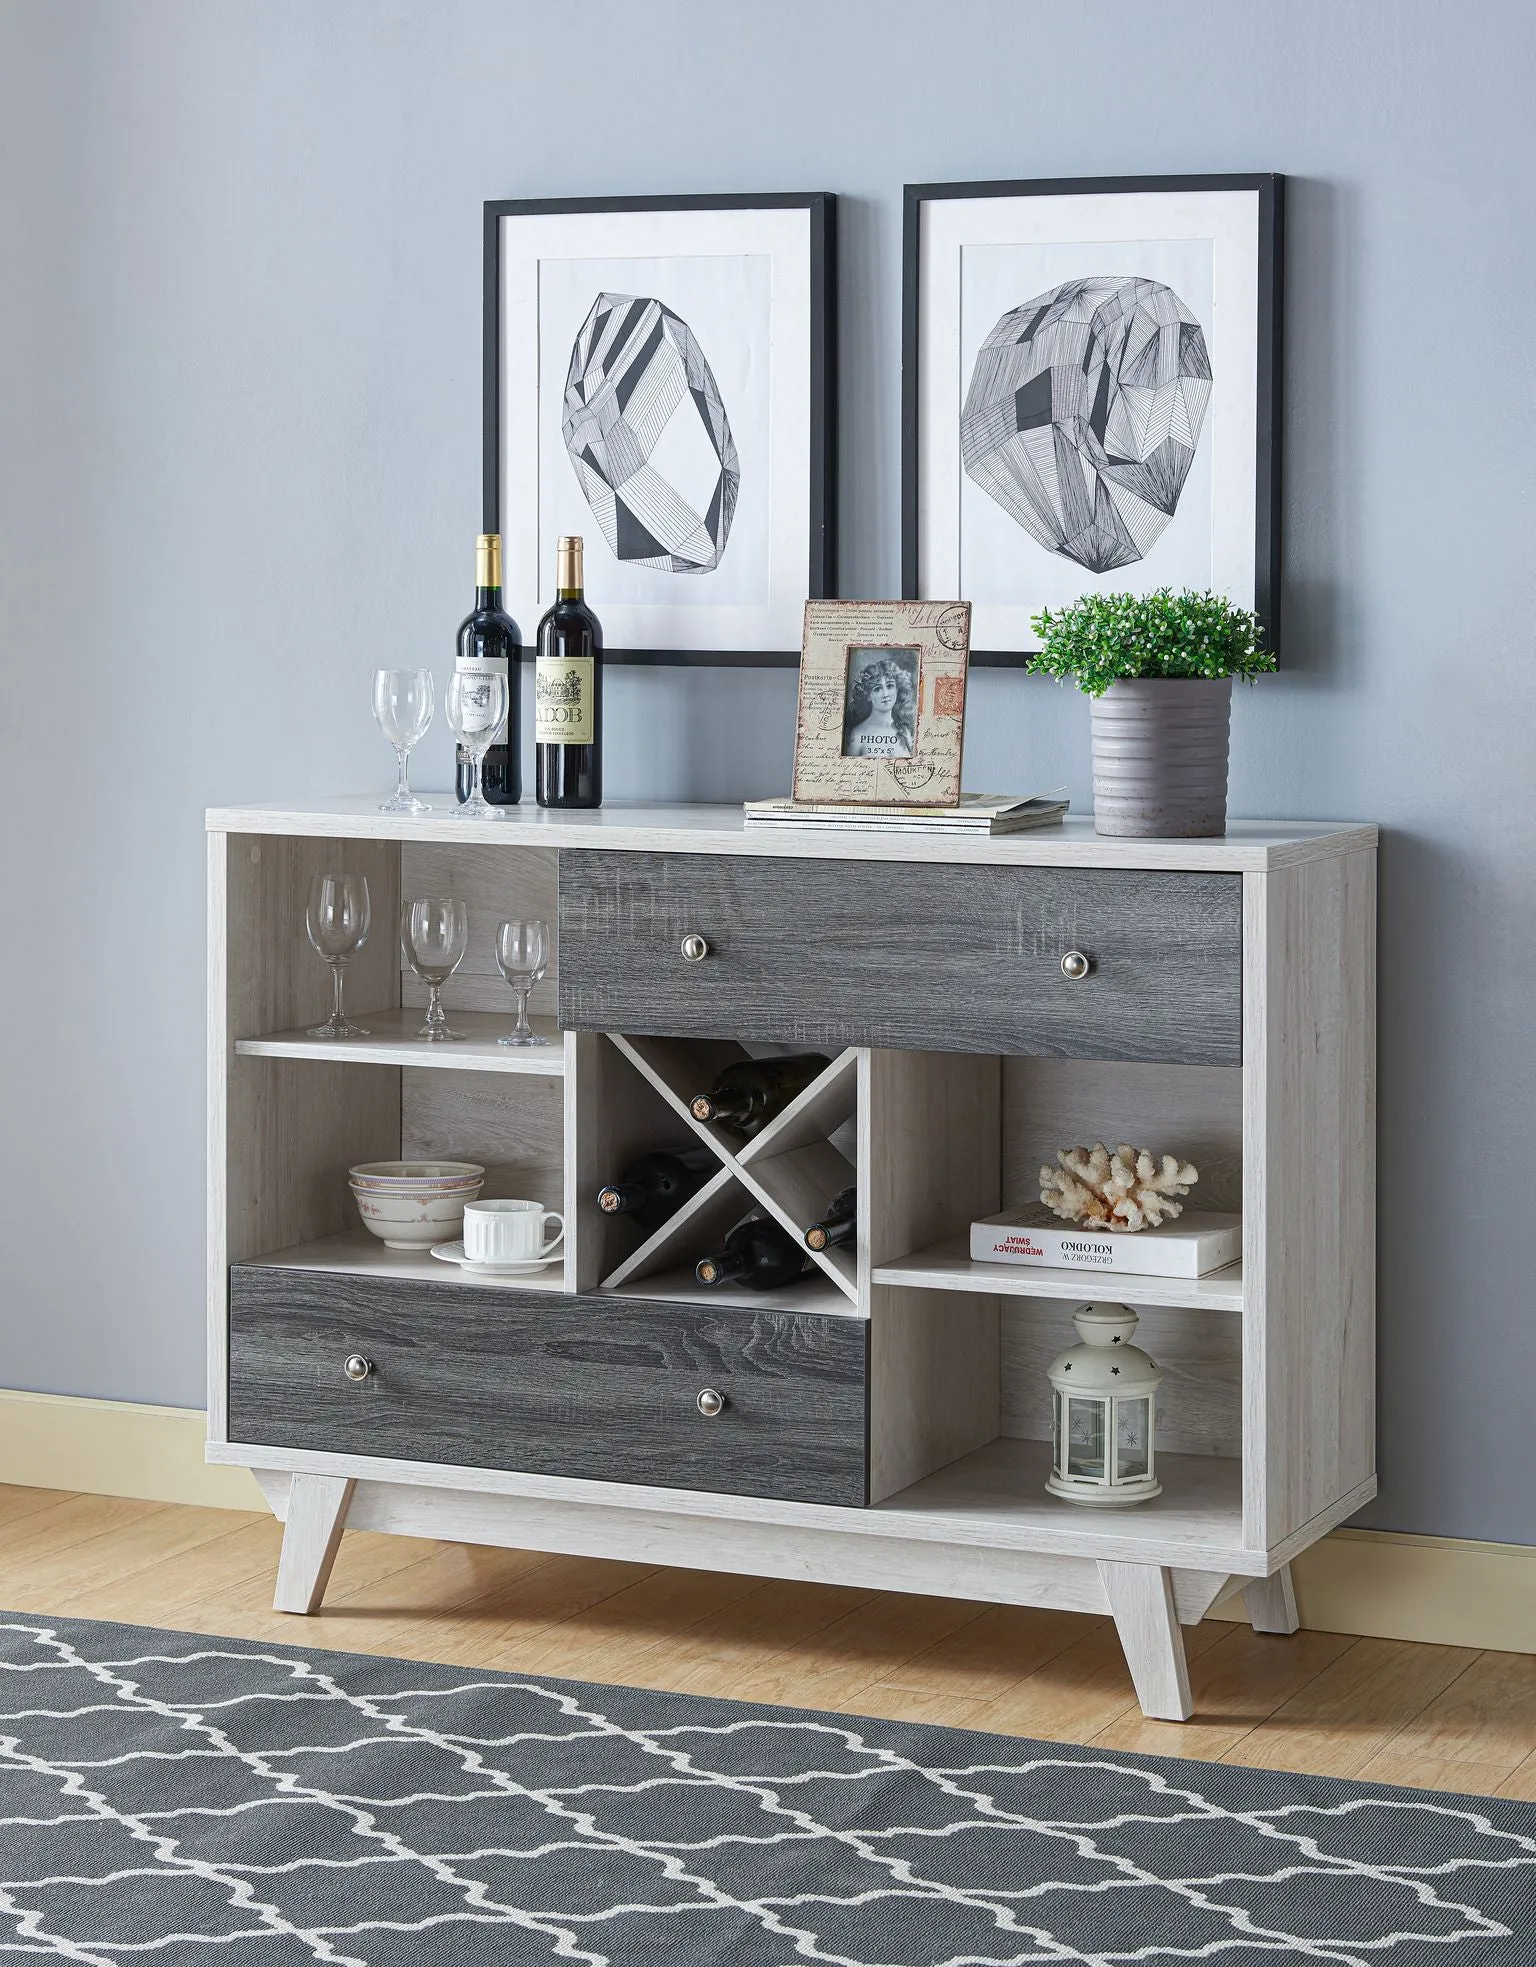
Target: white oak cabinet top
<point>1249,846</point>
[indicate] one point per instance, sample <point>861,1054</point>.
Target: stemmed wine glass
<point>337,915</point>
<point>403,702</point>
<point>522,956</point>
<point>434,930</point>
<point>476,704</point>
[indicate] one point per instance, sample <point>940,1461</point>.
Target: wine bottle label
<point>563,692</point>
<point>489,666</point>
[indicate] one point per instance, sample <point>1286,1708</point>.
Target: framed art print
<point>881,718</point>
<point>658,379</point>
<point>1091,395</point>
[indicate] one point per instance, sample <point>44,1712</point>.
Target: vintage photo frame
<point>659,378</point>
<point>1091,383</point>
<point>881,718</point>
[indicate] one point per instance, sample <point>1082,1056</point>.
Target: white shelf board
<point>1254,845</point>
<point>814,1293</point>
<point>1001,1489</point>
<point>359,1254</point>
<point>949,1266</point>
<point>392,1040</point>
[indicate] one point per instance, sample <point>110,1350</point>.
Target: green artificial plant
<point>1113,638</point>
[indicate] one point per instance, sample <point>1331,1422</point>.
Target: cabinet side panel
<point>219,1057</point>
<point>293,1127</point>
<point>929,1163</point>
<point>275,980</point>
<point>1309,1191</point>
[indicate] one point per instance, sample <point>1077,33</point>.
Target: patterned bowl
<point>414,1222</point>
<point>416,1177</point>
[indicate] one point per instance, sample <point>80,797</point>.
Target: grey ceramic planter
<point>1160,757</point>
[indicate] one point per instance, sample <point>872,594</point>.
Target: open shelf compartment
<point>960,1349</point>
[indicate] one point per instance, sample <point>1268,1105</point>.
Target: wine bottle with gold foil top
<point>568,691</point>
<point>490,642</point>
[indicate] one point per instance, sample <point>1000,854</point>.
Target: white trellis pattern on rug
<point>182,1800</point>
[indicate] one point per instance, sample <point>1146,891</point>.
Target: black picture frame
<point>1270,189</point>
<point>821,548</point>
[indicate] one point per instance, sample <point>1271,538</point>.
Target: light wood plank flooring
<point>1440,1717</point>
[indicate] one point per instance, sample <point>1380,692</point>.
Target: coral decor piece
<point>1128,1190</point>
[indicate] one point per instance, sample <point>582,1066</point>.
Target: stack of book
<point>983,813</point>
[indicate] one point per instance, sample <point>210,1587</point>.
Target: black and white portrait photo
<point>881,717</point>
<point>880,703</point>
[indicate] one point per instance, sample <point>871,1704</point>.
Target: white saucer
<point>453,1253</point>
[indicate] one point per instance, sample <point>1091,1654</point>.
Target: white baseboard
<point>1444,1590</point>
<point>116,1448</point>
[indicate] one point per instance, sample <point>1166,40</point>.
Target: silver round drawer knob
<point>710,1403</point>
<point>1075,966</point>
<point>695,949</point>
<point>356,1367</point>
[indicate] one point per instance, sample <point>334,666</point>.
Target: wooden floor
<point>1443,1717</point>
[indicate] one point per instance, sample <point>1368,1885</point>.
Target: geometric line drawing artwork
<point>167,1797</point>
<point>1083,415</point>
<point>638,382</point>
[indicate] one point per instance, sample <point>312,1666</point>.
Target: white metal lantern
<point>1104,1412</point>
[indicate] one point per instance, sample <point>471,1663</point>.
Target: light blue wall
<point>239,466</point>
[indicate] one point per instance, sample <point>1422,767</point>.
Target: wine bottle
<point>491,642</point>
<point>749,1093</point>
<point>657,1185</point>
<point>568,692</point>
<point>838,1225</point>
<point>756,1254</point>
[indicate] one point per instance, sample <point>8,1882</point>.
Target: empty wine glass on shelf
<point>336,915</point>
<point>434,932</point>
<point>476,705</point>
<point>403,702</point>
<point>522,956</point>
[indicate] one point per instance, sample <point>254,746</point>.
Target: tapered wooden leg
<point>1141,1598</point>
<point>1271,1602</point>
<point>317,1512</point>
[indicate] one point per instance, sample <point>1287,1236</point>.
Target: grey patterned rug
<point>176,1799</point>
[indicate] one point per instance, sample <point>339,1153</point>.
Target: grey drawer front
<point>594,1387</point>
<point>906,956</point>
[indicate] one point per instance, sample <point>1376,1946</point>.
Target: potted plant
<point>1159,669</point>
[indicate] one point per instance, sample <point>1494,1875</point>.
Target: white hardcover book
<point>1188,1246</point>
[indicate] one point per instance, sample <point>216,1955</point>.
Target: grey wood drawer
<point>913,957</point>
<point>604,1388</point>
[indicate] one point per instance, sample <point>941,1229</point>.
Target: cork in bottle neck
<point>568,569</point>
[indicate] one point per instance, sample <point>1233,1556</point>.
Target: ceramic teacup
<point>509,1232</point>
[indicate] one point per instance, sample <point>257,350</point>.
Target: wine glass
<point>522,956</point>
<point>434,931</point>
<point>337,915</point>
<point>476,705</point>
<point>403,702</point>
